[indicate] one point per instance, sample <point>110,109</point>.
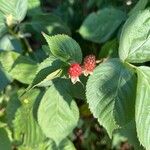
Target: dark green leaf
<point>50,24</point>
<point>5,143</point>
<point>64,47</point>
<point>98,27</point>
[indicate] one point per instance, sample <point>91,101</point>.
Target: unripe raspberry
<point>74,72</point>
<point>89,64</point>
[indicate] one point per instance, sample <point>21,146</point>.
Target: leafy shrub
<point>74,74</point>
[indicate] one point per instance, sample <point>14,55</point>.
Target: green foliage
<point>41,108</point>
<point>15,8</point>
<point>99,27</point>
<point>134,40</point>
<point>110,94</point>
<point>142,106</point>
<point>59,112</point>
<point>4,140</point>
<point>64,47</point>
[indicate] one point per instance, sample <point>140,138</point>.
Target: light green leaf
<point>8,42</point>
<point>19,67</point>
<point>3,28</point>
<point>98,27</point>
<point>135,38</point>
<point>64,47</point>
<point>142,113</point>
<point>49,23</point>
<point>26,128</point>
<point>15,8</point>
<point>58,113</point>
<point>110,93</point>
<point>66,144</point>
<point>33,4</point>
<point>141,4</point>
<point>5,143</point>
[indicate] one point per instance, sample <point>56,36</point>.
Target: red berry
<point>74,72</point>
<point>89,64</point>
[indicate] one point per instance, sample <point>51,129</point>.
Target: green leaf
<point>110,93</point>
<point>58,113</point>
<point>47,70</point>
<point>5,80</point>
<point>26,128</point>
<point>142,113</point>
<point>3,28</point>
<point>109,49</point>
<point>5,143</point>
<point>66,144</point>
<point>141,4</point>
<point>19,67</point>
<point>15,8</point>
<point>128,132</point>
<point>135,38</point>
<point>49,23</point>
<point>64,47</point>
<point>98,27</point>
<point>33,4</point>
<point>8,42</point>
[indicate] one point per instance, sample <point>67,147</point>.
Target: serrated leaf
<point>135,38</point>
<point>58,113</point>
<point>19,67</point>
<point>47,70</point>
<point>49,23</point>
<point>142,113</point>
<point>15,8</point>
<point>141,4</point>
<point>64,47</point>
<point>110,93</point>
<point>5,143</point>
<point>98,27</point>
<point>26,128</point>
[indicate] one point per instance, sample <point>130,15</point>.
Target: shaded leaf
<point>98,27</point>
<point>110,93</point>
<point>5,143</point>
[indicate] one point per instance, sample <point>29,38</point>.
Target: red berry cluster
<point>75,70</point>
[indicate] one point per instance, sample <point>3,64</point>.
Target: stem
<point>24,39</point>
<point>27,44</point>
